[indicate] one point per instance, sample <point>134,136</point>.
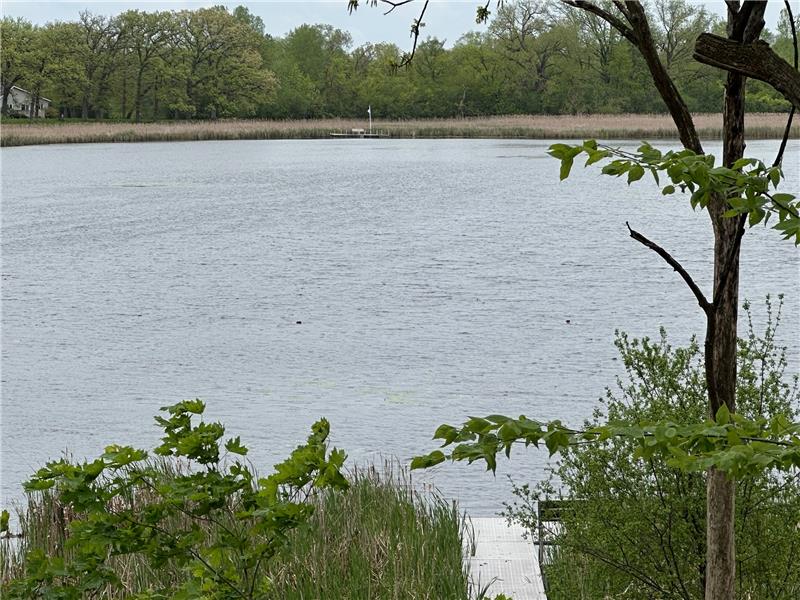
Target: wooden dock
<point>359,133</point>
<point>505,561</point>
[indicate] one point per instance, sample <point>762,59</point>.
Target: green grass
<point>379,540</point>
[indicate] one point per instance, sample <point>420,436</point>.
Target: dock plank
<point>502,556</point>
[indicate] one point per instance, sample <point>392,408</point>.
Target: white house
<point>19,103</point>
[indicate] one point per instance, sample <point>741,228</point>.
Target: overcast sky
<point>445,19</point>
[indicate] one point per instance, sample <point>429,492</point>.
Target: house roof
<point>16,87</point>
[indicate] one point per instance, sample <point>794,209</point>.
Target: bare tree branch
<point>394,5</point>
<point>661,78</point>
<point>698,293</point>
<point>750,21</point>
<point>612,20</point>
<point>416,25</point>
<point>621,8</point>
<point>779,158</point>
<point>756,60</point>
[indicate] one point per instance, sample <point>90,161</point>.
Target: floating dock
<point>359,133</point>
<point>505,561</point>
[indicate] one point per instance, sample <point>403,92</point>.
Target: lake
<point>390,285</point>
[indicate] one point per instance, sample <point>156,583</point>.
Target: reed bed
<point>382,539</point>
<point>627,126</point>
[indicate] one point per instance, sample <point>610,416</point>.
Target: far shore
<point>626,126</point>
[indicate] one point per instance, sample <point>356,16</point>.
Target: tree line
<point>533,58</point>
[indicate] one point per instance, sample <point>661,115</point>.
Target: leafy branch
<point>218,523</point>
<point>731,442</point>
<point>481,16</point>
<point>748,185</point>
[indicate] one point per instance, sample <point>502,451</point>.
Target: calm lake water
<point>433,280</point>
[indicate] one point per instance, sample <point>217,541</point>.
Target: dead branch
<point>698,293</point>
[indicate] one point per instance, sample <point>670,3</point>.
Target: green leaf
<point>566,167</point>
<point>556,440</point>
<point>635,174</point>
<point>4,521</point>
<point>743,162</point>
<point>559,151</point>
<point>429,460</point>
<point>783,198</point>
<point>446,433</point>
<point>723,416</point>
<point>617,167</point>
<point>669,189</point>
<point>596,156</point>
<point>234,445</point>
<point>756,216</point>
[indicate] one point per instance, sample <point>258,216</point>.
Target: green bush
<point>638,527</point>
<point>195,521</point>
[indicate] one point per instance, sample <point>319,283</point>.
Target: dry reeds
<point>627,126</point>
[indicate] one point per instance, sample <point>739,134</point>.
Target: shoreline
<point>626,126</point>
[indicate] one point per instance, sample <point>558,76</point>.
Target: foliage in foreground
<point>206,529</point>
<point>377,539</point>
<point>749,186</point>
<point>638,530</point>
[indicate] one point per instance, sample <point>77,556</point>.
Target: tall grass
<point>381,540</point>
<point>628,126</point>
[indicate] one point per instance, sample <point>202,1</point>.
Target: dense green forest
<point>532,58</point>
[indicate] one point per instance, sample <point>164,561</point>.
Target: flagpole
<point>369,111</point>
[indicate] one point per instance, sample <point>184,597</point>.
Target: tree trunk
<point>85,108</point>
<point>137,103</point>
<point>156,107</point>
<point>745,23</point>
<point>744,26</point>
<point>720,575</point>
<point>124,106</point>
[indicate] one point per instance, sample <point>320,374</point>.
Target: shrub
<point>195,521</point>
<point>638,529</point>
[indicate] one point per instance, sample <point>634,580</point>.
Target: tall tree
<point>99,54</point>
<point>523,35</point>
<point>243,15</point>
<point>52,60</point>
<point>17,54</point>
<point>221,64</point>
<point>146,36</point>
